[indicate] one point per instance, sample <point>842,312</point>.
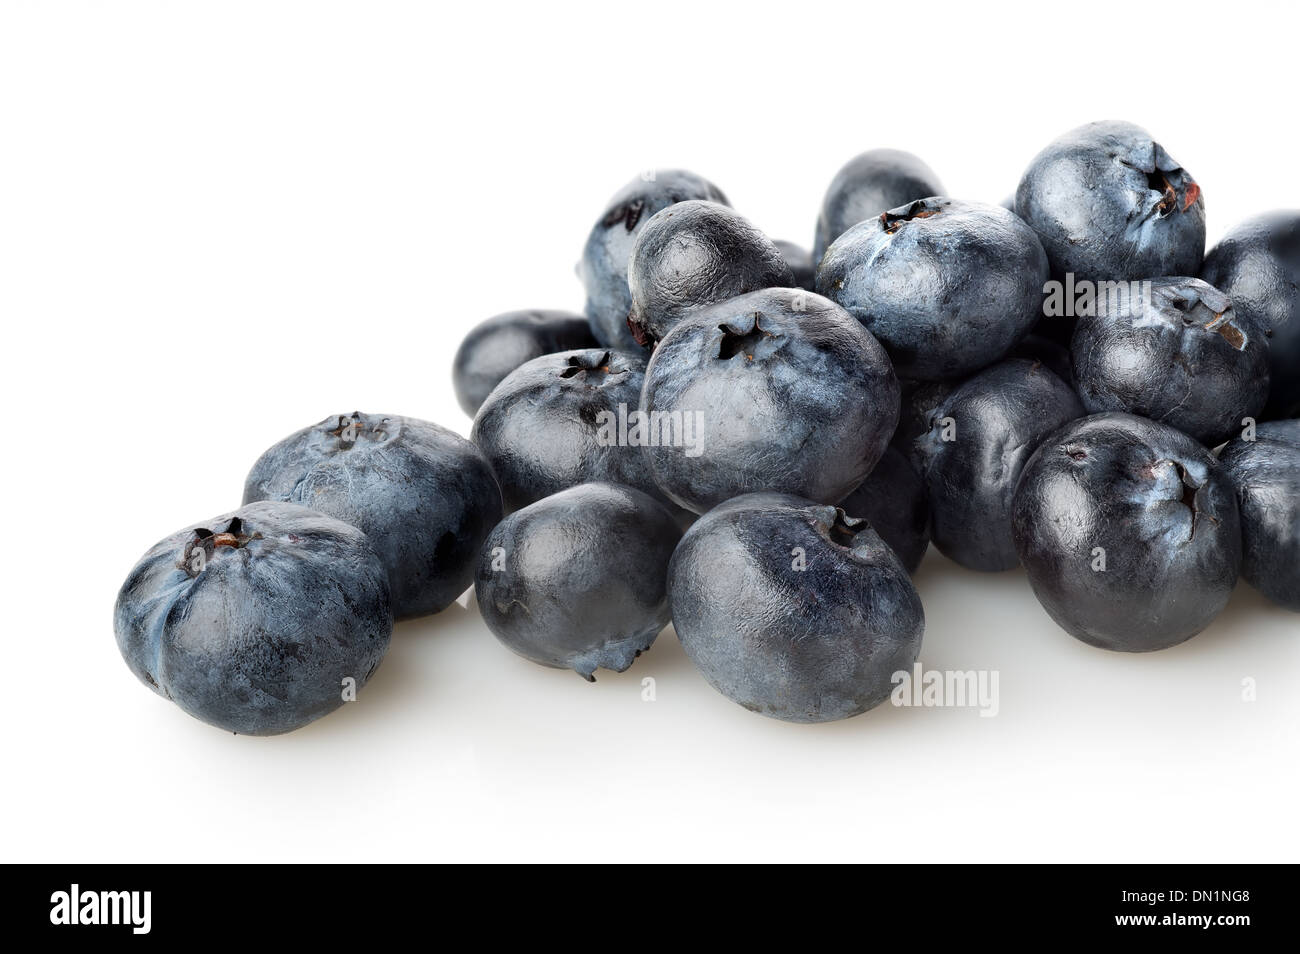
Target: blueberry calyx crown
<point>641,334</point>
<point>1190,489</point>
<point>1177,190</point>
<point>1208,311</point>
<point>629,213</point>
<point>1175,196</point>
<point>743,337</point>
<point>892,221</point>
<point>202,547</point>
<point>593,371</point>
<point>353,427</point>
<point>836,527</point>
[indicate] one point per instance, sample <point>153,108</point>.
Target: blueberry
<point>867,185</point>
<point>919,399</point>
<point>800,262</point>
<point>948,287</point>
<point>1174,350</point>
<point>893,501</point>
<point>1265,473</point>
<point>497,346</point>
<point>603,268</point>
<point>426,497</point>
<point>980,437</point>
<point>696,253</point>
<point>578,580</point>
<point>792,609</point>
<point>775,390</point>
<point>1054,355</point>
<point>1257,265</point>
<point>1111,205</point>
<point>566,419</point>
<point>1128,531</point>
<point>254,620</point>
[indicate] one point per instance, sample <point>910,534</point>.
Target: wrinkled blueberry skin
<point>579,580</point>
<point>1257,265</point>
<point>790,393</point>
<point>1160,507</point>
<point>692,254</point>
<point>424,496</point>
<point>603,268</point>
<point>814,644</point>
<point>1265,473</point>
<point>252,621</point>
<point>893,501</point>
<point>999,417</point>
<point>867,185</point>
<point>1179,354</point>
<point>543,429</point>
<point>800,262</point>
<point>948,287</point>
<point>497,346</point>
<point>1109,204</point>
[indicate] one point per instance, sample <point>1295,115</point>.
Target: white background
<point>220,223</point>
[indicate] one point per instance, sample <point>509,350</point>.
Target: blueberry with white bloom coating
<point>255,621</point>
<point>424,496</point>
<point>780,390</point>
<point>948,287</point>
<point>1109,204</point>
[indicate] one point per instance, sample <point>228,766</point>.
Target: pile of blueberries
<point>758,444</point>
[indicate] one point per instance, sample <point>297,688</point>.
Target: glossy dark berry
<point>1174,350</point>
<point>692,254</point>
<point>603,268</point>
<point>1257,265</point>
<point>1128,531</point>
<point>794,610</point>
<point>1265,473</point>
<point>257,621</point>
<point>566,419</point>
<point>973,452</point>
<point>578,580</point>
<point>425,497</point>
<point>801,265</point>
<point>497,346</point>
<point>893,501</point>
